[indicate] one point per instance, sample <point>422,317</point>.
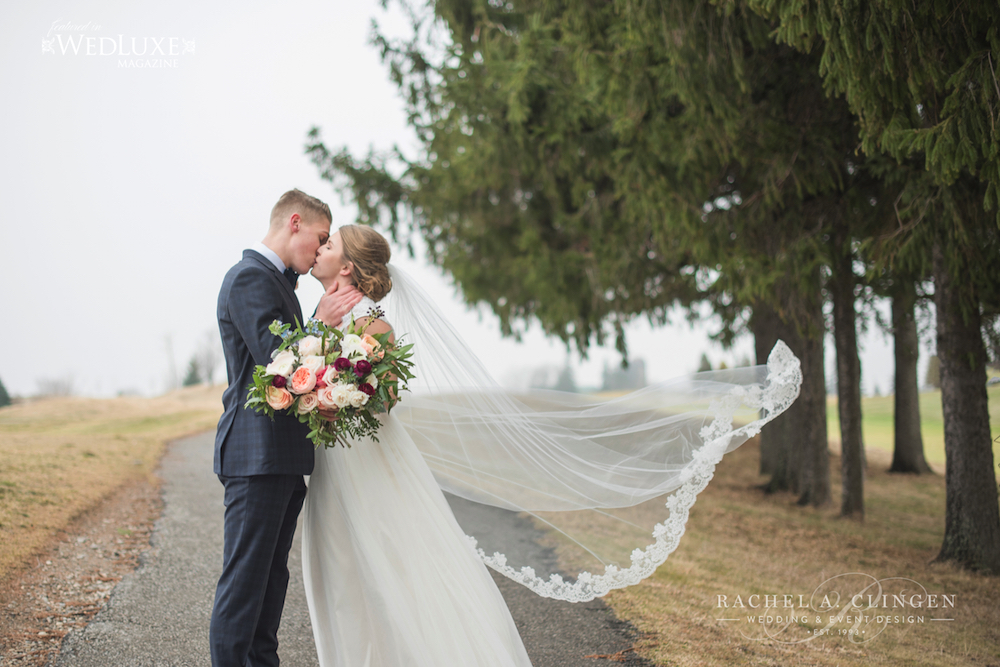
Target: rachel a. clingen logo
<point>66,38</point>
<point>854,605</point>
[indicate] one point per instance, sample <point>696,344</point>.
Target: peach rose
<point>279,398</point>
<point>330,375</point>
<point>325,398</point>
<point>308,403</point>
<point>302,381</point>
<point>373,346</point>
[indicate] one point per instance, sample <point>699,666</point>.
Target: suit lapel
<point>286,289</point>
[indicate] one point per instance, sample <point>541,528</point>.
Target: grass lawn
<point>60,457</point>
<point>877,428</point>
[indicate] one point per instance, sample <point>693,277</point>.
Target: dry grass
<point>740,541</point>
<point>60,457</point>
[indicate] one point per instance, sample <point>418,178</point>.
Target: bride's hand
<point>336,303</point>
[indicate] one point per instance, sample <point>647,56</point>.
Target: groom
<point>261,462</point>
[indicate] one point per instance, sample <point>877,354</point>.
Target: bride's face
<point>330,260</point>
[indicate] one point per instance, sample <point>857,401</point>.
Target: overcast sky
<point>129,187</point>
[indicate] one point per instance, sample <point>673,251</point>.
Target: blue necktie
<point>291,277</point>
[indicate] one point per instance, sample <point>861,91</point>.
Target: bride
<point>391,578</point>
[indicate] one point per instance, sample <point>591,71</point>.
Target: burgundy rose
<point>367,388</point>
<point>362,368</point>
<point>279,381</point>
<point>342,363</point>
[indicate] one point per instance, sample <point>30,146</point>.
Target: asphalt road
<point>159,615</point>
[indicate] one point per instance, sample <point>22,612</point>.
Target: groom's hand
<point>336,303</point>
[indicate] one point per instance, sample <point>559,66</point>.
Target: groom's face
<point>312,232</point>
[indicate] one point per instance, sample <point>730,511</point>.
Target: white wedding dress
<point>391,580</point>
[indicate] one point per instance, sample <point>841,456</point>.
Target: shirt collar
<point>270,255</point>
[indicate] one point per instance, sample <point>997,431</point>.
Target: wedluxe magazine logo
<point>69,39</point>
<point>855,606</point>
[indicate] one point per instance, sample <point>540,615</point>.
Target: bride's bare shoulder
<point>377,326</point>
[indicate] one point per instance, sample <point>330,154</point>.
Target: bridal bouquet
<point>353,373</point>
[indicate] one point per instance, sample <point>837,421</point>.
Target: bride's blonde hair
<point>369,252</point>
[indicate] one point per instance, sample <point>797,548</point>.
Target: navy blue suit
<point>260,463</point>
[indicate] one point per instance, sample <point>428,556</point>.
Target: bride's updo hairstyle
<point>369,252</point>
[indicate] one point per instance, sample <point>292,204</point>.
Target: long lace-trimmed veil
<point>610,480</point>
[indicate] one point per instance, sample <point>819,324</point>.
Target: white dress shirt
<point>270,255</point>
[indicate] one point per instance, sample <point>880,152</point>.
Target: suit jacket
<point>254,294</point>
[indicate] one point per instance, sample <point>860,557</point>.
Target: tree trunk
<point>908,449</point>
<point>845,337</point>
<point>813,485</point>
<point>972,519</point>
<point>773,443</point>
<point>796,451</point>
<point>796,426</point>
<point>802,465</point>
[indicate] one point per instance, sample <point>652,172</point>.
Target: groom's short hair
<point>296,201</point>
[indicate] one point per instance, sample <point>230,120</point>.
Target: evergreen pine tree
<point>4,396</point>
<point>704,364</point>
<point>193,375</point>
<point>921,78</point>
<point>585,165</point>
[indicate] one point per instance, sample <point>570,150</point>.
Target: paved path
<point>159,615</point>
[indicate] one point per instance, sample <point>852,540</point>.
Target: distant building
<point>617,378</point>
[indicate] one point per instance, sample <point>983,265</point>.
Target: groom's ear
<point>294,222</point>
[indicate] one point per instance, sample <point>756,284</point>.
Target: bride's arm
<point>379,327</point>
<point>376,327</point>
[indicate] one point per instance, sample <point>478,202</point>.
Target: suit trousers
<point>261,512</point>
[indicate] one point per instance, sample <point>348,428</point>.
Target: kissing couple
<point>391,578</point>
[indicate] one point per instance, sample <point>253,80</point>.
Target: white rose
<point>372,380</point>
<point>282,363</point>
<point>358,398</point>
<point>351,346</point>
<point>310,346</point>
<point>313,363</point>
<point>341,395</point>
